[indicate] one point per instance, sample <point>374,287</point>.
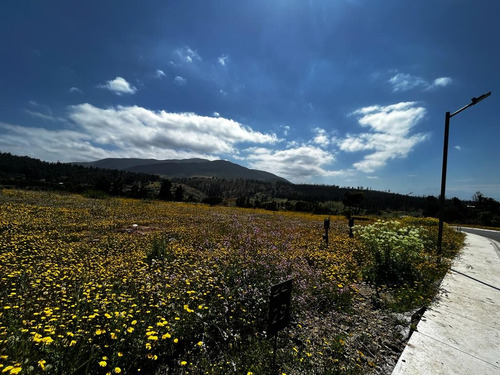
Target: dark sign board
<point>279,307</point>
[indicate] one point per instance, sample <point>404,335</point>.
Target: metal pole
<point>474,101</point>
<point>443,182</point>
<point>275,370</point>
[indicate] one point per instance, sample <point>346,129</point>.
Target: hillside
<point>186,168</point>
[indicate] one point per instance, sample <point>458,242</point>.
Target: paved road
<point>490,234</point>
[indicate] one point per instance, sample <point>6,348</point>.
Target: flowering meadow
<point>108,286</point>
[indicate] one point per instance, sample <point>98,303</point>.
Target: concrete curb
<point>459,333</point>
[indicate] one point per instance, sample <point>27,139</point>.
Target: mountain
<point>185,168</point>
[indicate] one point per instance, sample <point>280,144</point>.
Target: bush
<point>395,252</point>
<point>402,258</point>
<point>160,249</point>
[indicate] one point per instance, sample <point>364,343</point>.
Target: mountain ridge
<point>182,168</point>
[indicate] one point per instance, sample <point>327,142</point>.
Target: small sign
<point>279,307</point>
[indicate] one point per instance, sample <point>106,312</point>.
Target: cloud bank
<point>92,133</point>
<point>125,131</point>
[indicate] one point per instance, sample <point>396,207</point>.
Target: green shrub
<point>395,252</point>
<point>402,258</point>
<point>160,249</point>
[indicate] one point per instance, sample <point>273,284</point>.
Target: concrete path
<point>459,334</point>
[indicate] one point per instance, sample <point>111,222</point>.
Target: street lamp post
<point>448,116</point>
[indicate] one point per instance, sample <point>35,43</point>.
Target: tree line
<point>26,172</point>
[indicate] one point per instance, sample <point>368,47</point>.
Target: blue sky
<point>343,92</point>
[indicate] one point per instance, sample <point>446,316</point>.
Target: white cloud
<point>160,74</point>
<point>442,82</point>
<point>50,145</point>
<point>286,129</point>
<point>41,115</point>
<point>392,119</point>
<point>223,60</point>
<point>187,55</point>
<point>321,137</point>
<point>75,89</point>
<point>406,82</point>
<point>41,111</point>
<point>298,163</point>
<point>119,86</point>
<point>389,134</point>
<point>136,127</point>
<point>180,80</point>
<point>216,114</point>
<point>457,147</point>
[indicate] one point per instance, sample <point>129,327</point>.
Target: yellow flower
<point>120,354</point>
<point>47,340</point>
<point>183,363</point>
<point>42,363</point>
<point>16,370</point>
<point>117,370</point>
<point>200,343</point>
<point>103,363</point>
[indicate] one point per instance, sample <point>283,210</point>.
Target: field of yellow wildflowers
<point>108,286</point>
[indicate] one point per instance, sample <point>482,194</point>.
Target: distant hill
<point>185,168</point>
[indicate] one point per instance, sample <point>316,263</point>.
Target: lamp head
<point>475,100</point>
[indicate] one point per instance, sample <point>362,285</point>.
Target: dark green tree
<point>179,194</point>
<point>166,191</point>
